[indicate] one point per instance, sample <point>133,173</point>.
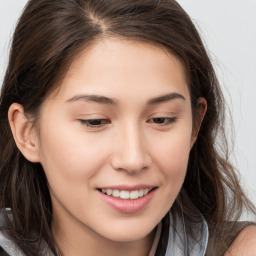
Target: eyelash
<point>99,123</point>
<point>163,120</point>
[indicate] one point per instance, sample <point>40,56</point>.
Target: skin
<point>130,147</point>
<point>244,244</point>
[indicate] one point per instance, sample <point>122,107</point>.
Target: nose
<point>130,153</point>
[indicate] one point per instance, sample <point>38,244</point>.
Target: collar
<point>184,231</point>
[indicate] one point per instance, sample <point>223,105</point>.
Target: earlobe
<point>23,133</point>
<point>201,109</point>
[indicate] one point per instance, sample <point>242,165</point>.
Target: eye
<point>162,120</point>
<point>94,123</point>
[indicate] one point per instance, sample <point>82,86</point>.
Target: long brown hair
<point>49,35</point>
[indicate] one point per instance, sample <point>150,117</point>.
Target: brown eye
<point>162,120</point>
<point>94,122</point>
<point>159,120</point>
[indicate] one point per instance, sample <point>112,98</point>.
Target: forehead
<point>114,65</point>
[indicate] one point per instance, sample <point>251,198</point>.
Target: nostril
<point>132,170</point>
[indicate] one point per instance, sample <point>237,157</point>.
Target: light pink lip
<point>127,205</point>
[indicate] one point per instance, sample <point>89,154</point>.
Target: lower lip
<point>126,205</point>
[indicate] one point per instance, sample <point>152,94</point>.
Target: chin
<point>128,234</point>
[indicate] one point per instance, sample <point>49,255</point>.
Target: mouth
<point>126,194</point>
<point>127,199</point>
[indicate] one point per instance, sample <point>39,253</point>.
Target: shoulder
<point>244,244</point>
<point>229,238</point>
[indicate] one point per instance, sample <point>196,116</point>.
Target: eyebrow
<point>165,98</point>
<point>111,101</point>
<point>94,98</point>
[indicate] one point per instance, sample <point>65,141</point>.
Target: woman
<point>109,115</point>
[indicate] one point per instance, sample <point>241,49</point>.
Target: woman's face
<point>115,140</point>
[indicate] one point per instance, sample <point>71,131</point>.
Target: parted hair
<point>48,37</point>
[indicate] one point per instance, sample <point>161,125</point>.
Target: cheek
<point>171,154</point>
<point>69,156</point>
<point>174,166</point>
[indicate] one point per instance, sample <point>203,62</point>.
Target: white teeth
<point>145,191</point>
<point>124,194</point>
<point>116,193</point>
<point>134,194</point>
<point>141,193</point>
<point>109,192</point>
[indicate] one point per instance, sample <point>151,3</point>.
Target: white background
<point>229,29</point>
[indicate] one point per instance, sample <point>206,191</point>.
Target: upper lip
<point>128,188</point>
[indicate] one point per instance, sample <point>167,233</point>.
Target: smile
<point>127,199</point>
<point>125,194</point>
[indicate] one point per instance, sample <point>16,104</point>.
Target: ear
<point>24,133</point>
<point>199,113</point>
